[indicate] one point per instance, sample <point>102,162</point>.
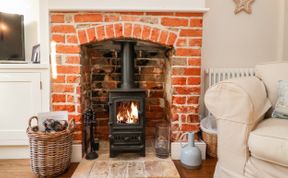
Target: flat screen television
<point>11,37</point>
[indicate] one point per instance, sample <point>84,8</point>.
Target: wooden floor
<point>206,170</point>
<point>20,168</point>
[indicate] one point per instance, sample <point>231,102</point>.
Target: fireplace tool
<point>90,121</point>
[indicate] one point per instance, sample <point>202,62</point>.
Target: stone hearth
<point>126,165</point>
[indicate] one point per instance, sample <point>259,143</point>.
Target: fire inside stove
<point>127,112</point>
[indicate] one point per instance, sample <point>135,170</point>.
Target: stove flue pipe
<point>127,60</point>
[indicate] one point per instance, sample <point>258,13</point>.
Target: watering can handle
<point>181,138</point>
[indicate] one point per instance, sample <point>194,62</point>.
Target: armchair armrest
<point>238,105</point>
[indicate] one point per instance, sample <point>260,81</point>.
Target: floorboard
<point>20,168</point>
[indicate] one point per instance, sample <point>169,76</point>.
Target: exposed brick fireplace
<point>87,68</point>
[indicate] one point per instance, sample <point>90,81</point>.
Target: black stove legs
<point>114,154</point>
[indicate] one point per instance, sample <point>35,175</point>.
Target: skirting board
<point>14,152</point>
<point>176,149</point>
<point>22,152</point>
<point>76,153</point>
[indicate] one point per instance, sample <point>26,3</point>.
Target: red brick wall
<point>182,31</point>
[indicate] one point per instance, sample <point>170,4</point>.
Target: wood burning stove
<point>126,108</point>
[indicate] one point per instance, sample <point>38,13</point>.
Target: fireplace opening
<point>127,83</point>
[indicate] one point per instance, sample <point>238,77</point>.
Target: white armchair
<point>249,146</point>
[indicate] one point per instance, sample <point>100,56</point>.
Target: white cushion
<point>270,74</point>
<point>269,141</point>
<point>281,107</point>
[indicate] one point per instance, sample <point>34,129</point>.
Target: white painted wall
<point>285,45</point>
<point>242,40</point>
<point>30,10</point>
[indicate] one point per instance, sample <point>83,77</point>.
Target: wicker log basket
<point>211,140</point>
<point>50,153</point>
<point>209,137</point>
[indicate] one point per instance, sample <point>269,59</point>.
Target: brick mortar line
<point>103,14</point>
<point>182,114</point>
<point>186,57</point>
<point>189,123</point>
<point>189,47</point>
<point>132,29</point>
<point>105,33</point>
<point>188,66</point>
<point>187,85</point>
<point>186,105</point>
<point>165,28</point>
<point>69,103</point>
<point>187,95</point>
<point>150,33</point>
<point>95,32</point>
<point>73,44</point>
<point>185,76</point>
<point>59,12</point>
<point>68,93</point>
<point>95,24</point>
<point>190,37</point>
<point>72,84</point>
<point>87,37</point>
<point>141,34</point>
<point>63,33</point>
<point>114,32</point>
<point>58,93</point>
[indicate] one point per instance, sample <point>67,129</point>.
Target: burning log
<point>127,113</point>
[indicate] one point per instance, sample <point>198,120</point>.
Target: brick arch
<point>127,30</point>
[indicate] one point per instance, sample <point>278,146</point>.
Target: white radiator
<point>215,75</point>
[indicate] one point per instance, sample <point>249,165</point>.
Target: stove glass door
<point>127,112</point>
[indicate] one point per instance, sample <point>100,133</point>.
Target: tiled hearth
<point>126,165</point>
<point>171,81</point>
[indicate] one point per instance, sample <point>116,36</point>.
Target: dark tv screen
<point>12,37</point>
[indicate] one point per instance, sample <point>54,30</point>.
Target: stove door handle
<point>126,139</point>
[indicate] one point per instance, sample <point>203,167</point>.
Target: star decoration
<point>243,5</point>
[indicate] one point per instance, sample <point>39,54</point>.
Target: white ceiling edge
<point>129,5</point>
